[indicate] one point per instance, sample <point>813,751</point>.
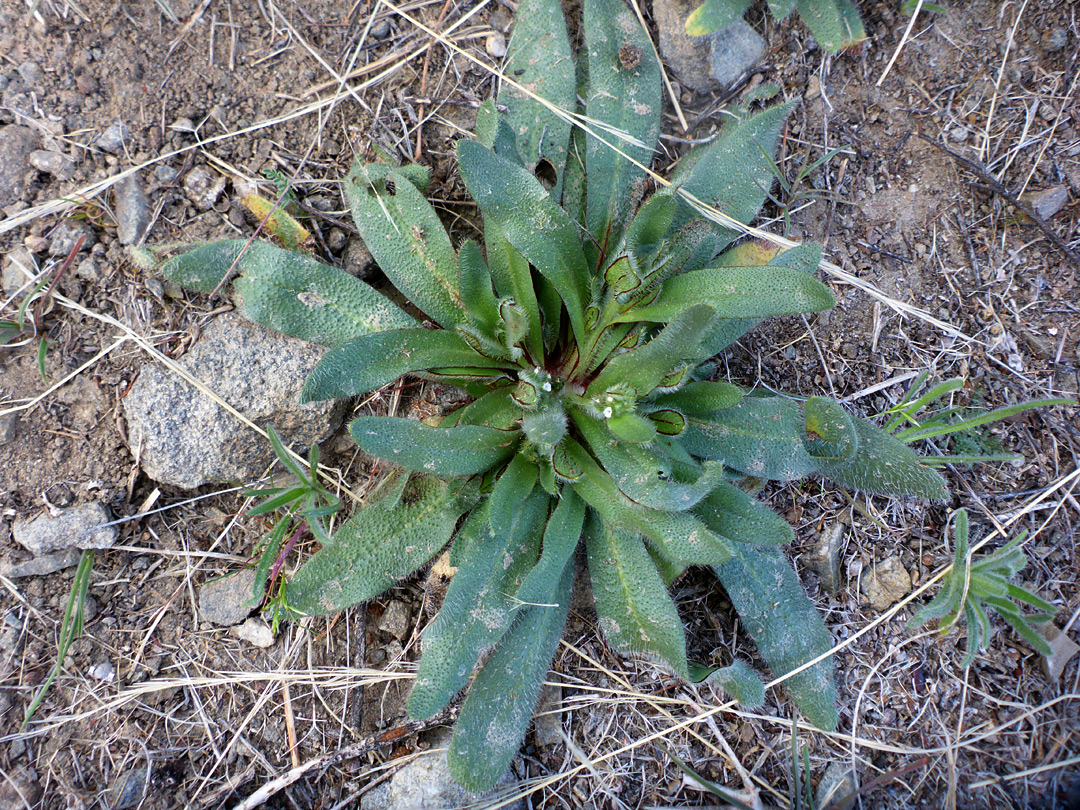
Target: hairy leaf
<point>461,450</point>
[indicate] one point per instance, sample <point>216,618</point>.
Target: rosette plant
<point>582,332</point>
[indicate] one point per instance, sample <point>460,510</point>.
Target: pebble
<point>31,73</point>
<point>381,29</point>
<point>547,722</point>
<point>886,583</point>
<point>132,210</point>
<point>165,174</point>
<point>66,236</point>
<point>495,45</point>
<point>183,125</point>
<point>8,424</point>
<point>358,260</point>
<point>16,146</point>
<point>228,600</point>
<point>824,560</point>
<point>395,619</point>
<point>77,527</point>
<point>60,166</point>
<point>41,566</point>
<point>1062,649</point>
<point>733,51</point>
<point>255,632</point>
<point>19,788</point>
<point>203,187</point>
<point>89,269</point>
<point>837,783</point>
<point>707,63</point>
<point>128,789</point>
<point>1055,40</point>
<point>104,671</point>
<point>114,138</point>
<point>1049,201</point>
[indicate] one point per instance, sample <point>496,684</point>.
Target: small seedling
<point>973,585</point>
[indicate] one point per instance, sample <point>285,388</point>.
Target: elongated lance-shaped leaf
<point>380,545</point>
<point>785,626</point>
<point>478,608</point>
<point>481,308</point>
<point>560,541</point>
<point>623,106</point>
<point>700,398</point>
<point>494,409</point>
<point>712,15</point>
<point>406,238</point>
<point>513,486</point>
<point>681,535</point>
<point>737,679</point>
<point>500,702</point>
<point>734,172</point>
<point>494,132</point>
<point>643,473</point>
<point>531,221</point>
<point>633,606</point>
<point>835,24</point>
<point>738,292</point>
<point>831,437</point>
<point>538,57</point>
<point>461,450</point>
<point>513,280</point>
<point>760,436</point>
<point>780,9</point>
<point>372,361</point>
<point>641,370</point>
<point>290,292</point>
<point>730,512</point>
<point>645,236</point>
<point>884,466</point>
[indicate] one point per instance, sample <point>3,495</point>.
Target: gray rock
<point>1055,39</point>
<point>89,269</point>
<point>255,632</point>
<point>203,187</point>
<point>77,527</point>
<point>66,236</point>
<point>19,789</point>
<point>228,601</point>
<point>1049,201</point>
<point>52,163</point>
<point>31,73</point>
<point>132,210</point>
<point>8,424</point>
<point>733,51</point>
<point>425,784</point>
<point>16,144</point>
<point>358,260</point>
<point>114,138</point>
<point>41,566</point>
<point>165,174</point>
<point>395,619</point>
<point>824,560</point>
<point>547,723</point>
<point>128,789</point>
<point>16,266</point>
<point>186,439</point>
<point>887,582</point>
<point>708,63</point>
<point>837,783</point>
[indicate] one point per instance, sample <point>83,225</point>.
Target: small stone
<point>19,789</point>
<point>1055,39</point>
<point>547,723</point>
<point>228,600</point>
<point>336,240</point>
<point>813,88</point>
<point>203,187</point>
<point>16,145</point>
<point>165,174</point>
<point>52,163</point>
<point>31,74</point>
<point>1062,649</point>
<point>183,125</point>
<point>887,582</point>
<point>128,789</point>
<point>113,139</point>
<point>1049,201</point>
<point>707,63</point>
<point>77,527</point>
<point>381,29</point>
<point>825,558</point>
<point>495,45</point>
<point>395,619</point>
<point>358,260</point>
<point>104,671</point>
<point>67,235</point>
<point>132,210</point>
<point>89,269</point>
<point>837,783</point>
<point>733,51</point>
<point>7,427</point>
<point>255,632</point>
<point>41,566</point>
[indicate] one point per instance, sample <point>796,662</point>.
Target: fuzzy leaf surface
<point>835,23</point>
<point>560,541</point>
<point>730,512</point>
<point>785,626</point>
<point>713,15</point>
<point>461,450</point>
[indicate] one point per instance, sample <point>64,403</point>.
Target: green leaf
<point>738,292</point>
<point>560,541</point>
<point>481,308</point>
<point>406,238</point>
<point>713,15</point>
<point>380,545</point>
<point>640,370</point>
<point>760,436</point>
<point>831,436</point>
<point>785,626</point>
<point>513,280</point>
<point>634,609</point>
<point>538,58</point>
<point>462,450</point>
<point>289,291</point>
<point>477,610</point>
<point>884,466</point>
<point>632,428</point>
<point>372,361</point>
<point>730,512</point>
<point>531,222</point>
<point>511,489</point>
<point>699,399</point>
<point>738,679</point>
<point>835,24</point>
<point>645,236</point>
<point>623,104</point>
<point>500,702</point>
<point>780,9</point>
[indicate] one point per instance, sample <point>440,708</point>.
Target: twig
<point>990,183</point>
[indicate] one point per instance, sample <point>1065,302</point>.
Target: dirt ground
<point>201,719</point>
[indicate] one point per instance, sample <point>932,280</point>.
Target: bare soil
<point>202,719</point>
